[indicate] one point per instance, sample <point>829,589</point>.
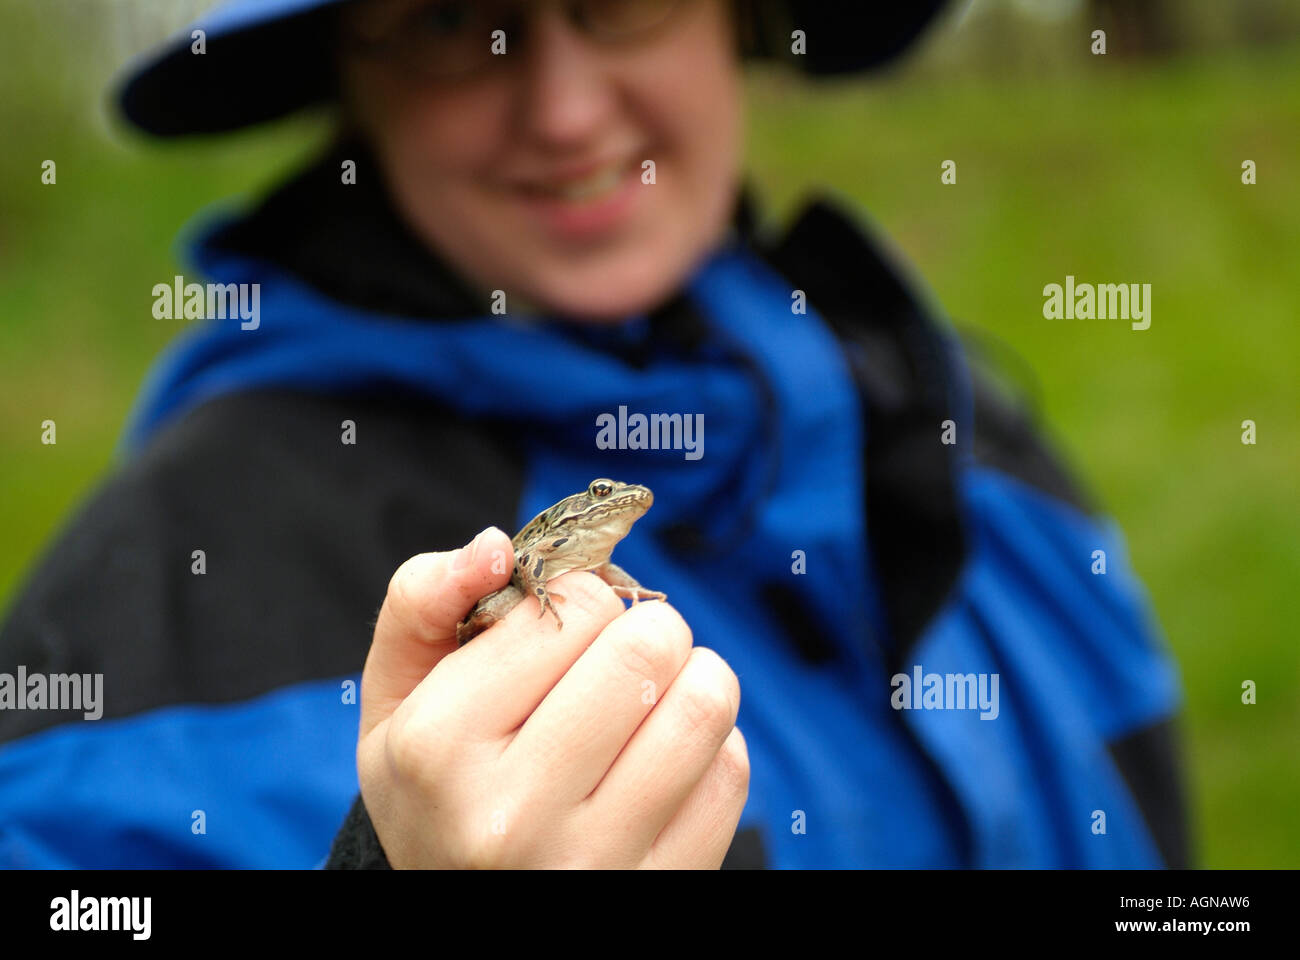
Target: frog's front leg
<point>625,585</point>
<point>531,573</point>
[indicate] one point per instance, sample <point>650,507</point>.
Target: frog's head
<point>601,515</point>
<point>605,511</point>
<point>607,508</point>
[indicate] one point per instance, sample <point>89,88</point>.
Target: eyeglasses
<point>455,38</point>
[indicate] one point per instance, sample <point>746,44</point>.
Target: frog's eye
<point>601,488</point>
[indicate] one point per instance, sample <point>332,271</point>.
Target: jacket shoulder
<point>903,354</point>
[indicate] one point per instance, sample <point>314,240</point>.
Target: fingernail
<point>465,555</point>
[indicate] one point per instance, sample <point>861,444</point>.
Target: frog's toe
<point>559,624</point>
<point>545,599</point>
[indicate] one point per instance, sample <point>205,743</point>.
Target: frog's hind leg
<point>625,585</point>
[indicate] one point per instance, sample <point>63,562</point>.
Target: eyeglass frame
<point>394,34</point>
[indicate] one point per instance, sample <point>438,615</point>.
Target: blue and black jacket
<point>869,503</point>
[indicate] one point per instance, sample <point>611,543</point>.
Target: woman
<point>532,224</point>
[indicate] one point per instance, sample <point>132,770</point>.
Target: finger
<point>705,825</point>
<point>576,733</point>
<point>427,596</point>
<point>518,661</point>
<point>671,751</point>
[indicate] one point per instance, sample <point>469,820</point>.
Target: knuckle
<point>491,837</point>
<point>731,765</point>
<point>589,592</point>
<point>663,619</point>
<point>404,753</point>
<point>711,695</point>
<point>482,850</point>
<point>705,709</point>
<point>711,671</point>
<point>412,749</point>
<point>652,643</point>
<point>642,652</point>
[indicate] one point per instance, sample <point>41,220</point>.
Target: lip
<point>574,171</point>
<point>576,219</point>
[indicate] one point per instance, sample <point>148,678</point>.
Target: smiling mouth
<point>586,189</point>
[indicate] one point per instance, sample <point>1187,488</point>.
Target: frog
<point>577,533</point>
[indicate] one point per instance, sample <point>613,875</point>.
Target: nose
<point>565,93</point>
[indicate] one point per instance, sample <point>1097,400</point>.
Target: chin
<point>613,292</point>
<point>614,308</point>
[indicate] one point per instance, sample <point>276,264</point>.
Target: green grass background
<point>1111,170</point>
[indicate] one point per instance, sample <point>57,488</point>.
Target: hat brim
<point>839,37</point>
<point>266,58</point>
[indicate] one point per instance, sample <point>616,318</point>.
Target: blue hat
<point>266,58</point>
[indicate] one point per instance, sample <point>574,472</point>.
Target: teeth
<point>592,186</point>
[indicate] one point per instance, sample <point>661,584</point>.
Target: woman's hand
<point>609,743</point>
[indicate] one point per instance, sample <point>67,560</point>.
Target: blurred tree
<point>1145,28</point>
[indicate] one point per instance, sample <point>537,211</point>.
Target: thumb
<point>427,596</point>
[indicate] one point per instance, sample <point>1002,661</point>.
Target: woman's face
<point>528,175</point>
